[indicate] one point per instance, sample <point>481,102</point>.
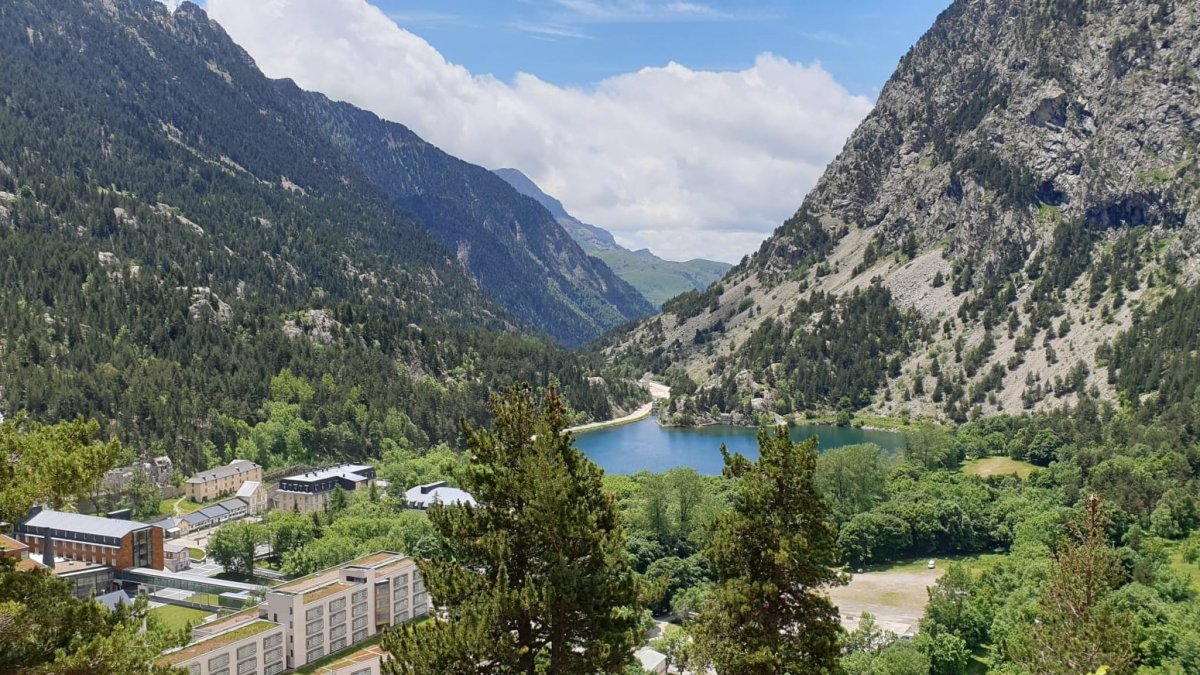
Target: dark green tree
<point>774,552</point>
<point>535,576</point>
<point>234,544</point>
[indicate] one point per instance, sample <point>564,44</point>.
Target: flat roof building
<point>331,610</point>
<point>424,496</point>
<point>247,647</point>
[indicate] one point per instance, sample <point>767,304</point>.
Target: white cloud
<point>689,163</point>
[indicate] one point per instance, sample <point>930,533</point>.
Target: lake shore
<point>658,391</point>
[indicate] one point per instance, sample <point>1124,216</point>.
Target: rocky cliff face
<point>1026,183</point>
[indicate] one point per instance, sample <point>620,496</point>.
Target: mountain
<point>512,245</point>
<point>657,279</point>
<point>190,258</point>
<point>1022,198</point>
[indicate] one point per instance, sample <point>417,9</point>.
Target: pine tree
<point>773,551</point>
<point>535,578</point>
<point>1076,631</point>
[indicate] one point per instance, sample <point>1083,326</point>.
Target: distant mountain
<point>516,249</point>
<point>195,258</point>
<point>657,279</point>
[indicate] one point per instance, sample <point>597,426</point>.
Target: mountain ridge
<point>657,279</point>
<point>1023,190</point>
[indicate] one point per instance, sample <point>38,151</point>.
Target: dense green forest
<point>166,252</point>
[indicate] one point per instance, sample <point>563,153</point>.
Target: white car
<point>930,564</point>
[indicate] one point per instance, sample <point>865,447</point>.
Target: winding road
<point>658,391</point>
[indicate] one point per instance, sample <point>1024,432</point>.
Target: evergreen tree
<point>535,578</point>
<point>773,551</point>
<point>1077,631</point>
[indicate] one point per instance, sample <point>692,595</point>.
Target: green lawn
<point>167,506</point>
<point>177,618</point>
<point>196,553</point>
<point>1180,565</point>
<point>998,466</point>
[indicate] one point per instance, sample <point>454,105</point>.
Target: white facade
<point>332,610</point>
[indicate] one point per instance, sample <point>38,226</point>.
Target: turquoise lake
<point>645,446</point>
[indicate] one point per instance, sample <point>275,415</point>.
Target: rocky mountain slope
<point>176,235</point>
<point>657,279</point>
<point>1024,192</point>
<point>521,256</point>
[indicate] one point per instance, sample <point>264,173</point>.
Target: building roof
<point>174,548</point>
<point>218,641</point>
<point>248,488</point>
<point>233,468</point>
<point>231,504</point>
<point>651,660</point>
<point>115,599</point>
<point>330,575</point>
<point>77,522</point>
<point>348,471</point>
<point>195,518</point>
<point>423,496</point>
<point>168,523</point>
<point>8,544</point>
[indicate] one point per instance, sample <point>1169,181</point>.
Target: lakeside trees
<point>774,551</point>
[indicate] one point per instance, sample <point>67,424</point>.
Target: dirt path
<point>657,391</point>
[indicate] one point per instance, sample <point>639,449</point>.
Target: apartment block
<point>211,484</point>
<point>310,491</point>
<point>329,611</point>
<point>246,646</point>
<point>112,542</point>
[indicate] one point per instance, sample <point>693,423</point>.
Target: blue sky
<point>576,42</point>
<point>692,127</point>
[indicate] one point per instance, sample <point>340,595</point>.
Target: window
<point>314,655</point>
<point>314,613</point>
<point>247,651</point>
<point>194,669</point>
<point>338,618</point>
<point>273,641</point>
<point>337,631</point>
<point>218,662</point>
<point>314,640</point>
<point>273,655</point>
<point>359,636</point>
<point>223,671</point>
<point>359,596</point>
<point>401,617</point>
<point>400,605</point>
<point>337,645</point>
<point>360,622</point>
<point>335,605</point>
<point>247,666</point>
<point>420,610</point>
<point>358,610</point>
<point>364,671</point>
<point>274,668</point>
<point>400,592</point>
<point>314,627</point>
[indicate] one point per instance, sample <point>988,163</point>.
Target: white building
<point>329,611</point>
<point>425,496</point>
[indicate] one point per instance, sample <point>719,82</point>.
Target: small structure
<point>211,484</point>
<point>114,600</point>
<point>14,550</point>
<point>423,496</point>
<point>176,558</point>
<point>254,494</point>
<point>217,514</point>
<point>652,661</point>
<point>172,526</point>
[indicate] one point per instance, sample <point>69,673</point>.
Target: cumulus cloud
<point>688,162</point>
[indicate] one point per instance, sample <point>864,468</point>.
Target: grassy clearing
<point>1180,565</point>
<point>173,617</point>
<point>998,466</point>
<point>196,554</point>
